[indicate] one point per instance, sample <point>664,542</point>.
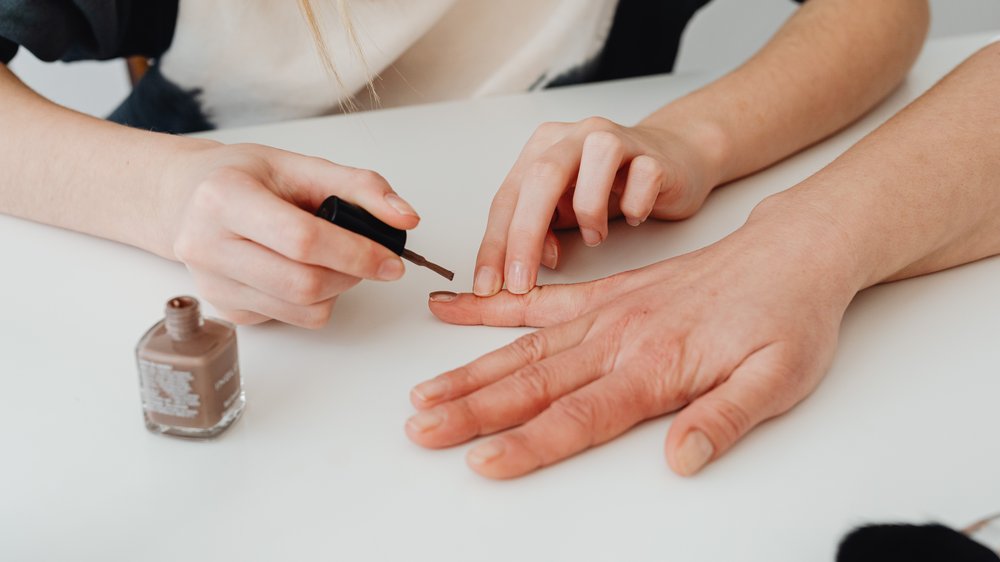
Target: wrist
<point>181,164</point>
<point>798,232</point>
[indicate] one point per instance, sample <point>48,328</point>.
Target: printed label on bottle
<point>166,391</point>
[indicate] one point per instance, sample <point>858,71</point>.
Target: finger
<point>226,294</point>
<point>508,402</point>
<point>603,153</point>
<point>271,273</point>
<point>550,250</point>
<point>488,276</point>
<point>643,186</point>
<point>544,305</point>
<point>528,349</point>
<point>258,215</point>
<point>311,180</point>
<point>544,182</point>
<point>757,390</point>
<point>589,416</point>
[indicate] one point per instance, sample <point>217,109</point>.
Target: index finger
<point>260,215</point>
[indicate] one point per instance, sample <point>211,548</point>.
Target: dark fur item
<point>911,543</point>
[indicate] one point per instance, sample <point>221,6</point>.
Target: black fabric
<point>644,39</point>
<point>86,29</point>
<point>158,104</point>
<point>911,543</point>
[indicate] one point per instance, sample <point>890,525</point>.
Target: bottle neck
<point>183,318</point>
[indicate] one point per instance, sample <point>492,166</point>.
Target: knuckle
<point>301,238</point>
<point>581,412</point>
<point>317,316</point>
<point>547,129</point>
<point>186,248</point>
<point>531,383</point>
<point>530,348</point>
<point>370,179</point>
<point>210,194</point>
<point>604,141</point>
<point>597,123</point>
<point>306,288</point>
<point>731,419</point>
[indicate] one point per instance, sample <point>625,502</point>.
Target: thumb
<point>760,388</point>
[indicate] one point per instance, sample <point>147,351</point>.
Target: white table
<point>905,427</point>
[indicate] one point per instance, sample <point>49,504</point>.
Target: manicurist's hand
<point>581,175</point>
<point>811,79</point>
<point>729,336</point>
<point>243,224</point>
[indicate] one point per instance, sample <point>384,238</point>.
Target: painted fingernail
<point>590,236</point>
<point>487,452</point>
<point>443,296</point>
<point>633,221</point>
<point>424,421</point>
<point>431,390</point>
<point>517,278</point>
<point>390,269</point>
<point>694,452</point>
<point>401,206</point>
<point>487,282</point>
<point>550,254</point>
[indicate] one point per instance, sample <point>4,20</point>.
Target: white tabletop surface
<point>906,425</point>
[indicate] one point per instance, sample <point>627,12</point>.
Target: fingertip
<point>390,269</point>
<point>400,205</point>
<point>486,282</point>
<point>694,451</point>
<point>520,278</point>
<point>454,308</point>
<point>500,459</point>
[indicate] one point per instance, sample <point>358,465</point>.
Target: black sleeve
<point>86,29</point>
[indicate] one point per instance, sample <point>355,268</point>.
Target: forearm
<point>829,64</point>
<point>78,172</point>
<point>922,192</point>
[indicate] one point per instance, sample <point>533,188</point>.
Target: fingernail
<point>486,452</point>
<point>443,296</point>
<point>390,269</point>
<point>550,254</point>
<point>424,421</point>
<point>401,206</point>
<point>431,390</point>
<point>694,452</point>
<point>633,221</point>
<point>517,278</point>
<point>590,236</point>
<point>486,283</point>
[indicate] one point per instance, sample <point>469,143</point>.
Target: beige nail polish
<point>189,375</point>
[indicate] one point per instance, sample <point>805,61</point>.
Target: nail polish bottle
<point>189,375</point>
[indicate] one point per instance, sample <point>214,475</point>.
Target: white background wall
<point>720,36</point>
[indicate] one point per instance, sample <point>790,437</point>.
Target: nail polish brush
<point>359,221</point>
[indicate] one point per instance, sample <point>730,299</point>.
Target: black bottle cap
<point>360,221</point>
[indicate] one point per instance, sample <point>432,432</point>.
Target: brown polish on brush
<point>360,221</point>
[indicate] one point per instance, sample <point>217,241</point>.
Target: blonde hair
<point>310,10</point>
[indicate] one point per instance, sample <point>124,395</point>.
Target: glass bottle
<point>189,375</point>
